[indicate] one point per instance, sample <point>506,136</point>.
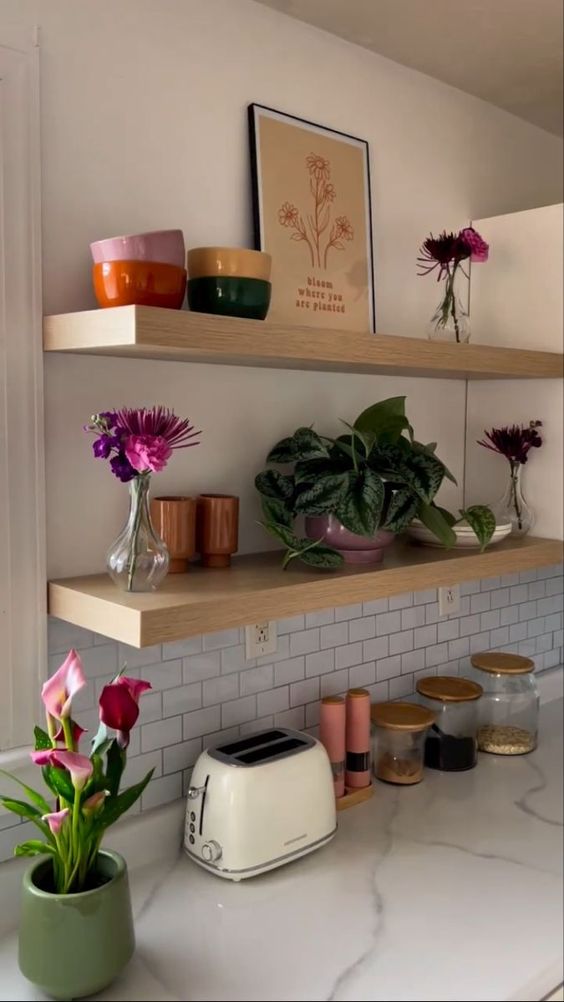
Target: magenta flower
<point>158,422</point>
<point>94,803</point>
<point>147,452</point>
<point>56,820</point>
<point>58,691</point>
<point>79,766</point>
<point>514,441</point>
<point>119,707</point>
<point>479,249</point>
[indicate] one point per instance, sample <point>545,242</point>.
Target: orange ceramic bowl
<point>139,283</point>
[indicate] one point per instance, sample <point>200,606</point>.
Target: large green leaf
<point>361,506</point>
<point>35,797</point>
<point>384,421</point>
<point>20,807</point>
<point>33,847</point>
<point>114,807</point>
<point>276,511</point>
<point>323,496</point>
<point>42,739</point>
<point>320,556</point>
<point>482,520</point>
<point>273,484</point>
<point>115,765</point>
<point>422,473</point>
<point>307,471</point>
<point>285,451</point>
<point>429,450</point>
<point>59,782</point>
<point>401,510</point>
<point>309,445</point>
<point>437,524</point>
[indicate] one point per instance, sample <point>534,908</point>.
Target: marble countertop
<point>448,890</point>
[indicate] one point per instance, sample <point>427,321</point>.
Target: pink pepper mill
<point>332,736</point>
<point>357,772</point>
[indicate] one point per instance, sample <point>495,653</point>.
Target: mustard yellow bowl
<point>228,262</point>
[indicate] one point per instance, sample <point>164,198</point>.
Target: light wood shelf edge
<point>148,332</point>
<point>204,601</point>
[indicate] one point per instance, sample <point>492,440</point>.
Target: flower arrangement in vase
<point>358,491</point>
<point>446,253</point>
<point>514,442</point>
<point>138,442</point>
<point>76,897</point>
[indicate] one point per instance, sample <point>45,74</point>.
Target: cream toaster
<point>258,802</point>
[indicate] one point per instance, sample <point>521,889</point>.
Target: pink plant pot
<point>160,246</point>
<point>353,548</point>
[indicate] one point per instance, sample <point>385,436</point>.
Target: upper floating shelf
<point>150,332</point>
<point>255,588</point>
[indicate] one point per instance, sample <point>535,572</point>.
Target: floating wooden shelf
<point>148,332</point>
<point>256,587</point>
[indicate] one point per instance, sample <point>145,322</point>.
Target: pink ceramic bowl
<point>353,548</point>
<point>162,246</point>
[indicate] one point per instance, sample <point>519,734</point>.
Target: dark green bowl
<point>230,297</point>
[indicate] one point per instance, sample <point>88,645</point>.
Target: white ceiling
<point>508,52</point>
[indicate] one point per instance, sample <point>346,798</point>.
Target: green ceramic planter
<point>229,296</point>
<point>72,945</point>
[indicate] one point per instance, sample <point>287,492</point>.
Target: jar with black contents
<point>510,705</point>
<point>451,743</point>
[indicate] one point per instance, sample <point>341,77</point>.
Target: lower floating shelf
<point>255,587</point>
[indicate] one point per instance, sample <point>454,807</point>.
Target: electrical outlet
<point>260,639</point>
<point>449,600</point>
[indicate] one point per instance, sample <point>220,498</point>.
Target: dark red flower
<point>442,251</point>
<point>514,441</point>
<point>119,705</point>
<point>76,730</point>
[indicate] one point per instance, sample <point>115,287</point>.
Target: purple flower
<point>442,251</point>
<point>158,421</point>
<point>122,468</point>
<point>103,446</point>
<point>514,441</point>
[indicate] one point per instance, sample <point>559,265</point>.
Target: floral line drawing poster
<point>312,212</point>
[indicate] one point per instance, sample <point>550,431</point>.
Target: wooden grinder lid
<point>449,688</point>
<point>402,716</point>
<point>498,663</point>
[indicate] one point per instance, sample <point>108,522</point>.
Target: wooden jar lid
<point>498,663</point>
<point>449,688</point>
<point>401,716</point>
<point>358,694</point>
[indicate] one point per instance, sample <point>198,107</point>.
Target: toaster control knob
<point>211,851</point>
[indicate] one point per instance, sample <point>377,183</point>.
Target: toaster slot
<point>203,804</point>
<point>270,751</point>
<point>264,737</point>
<point>265,746</point>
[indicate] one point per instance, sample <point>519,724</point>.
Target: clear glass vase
<point>138,559</point>
<point>512,506</point>
<point>450,321</point>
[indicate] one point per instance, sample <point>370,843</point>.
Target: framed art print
<point>312,213</point>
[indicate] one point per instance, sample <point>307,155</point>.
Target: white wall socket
<point>449,600</point>
<point>260,639</point>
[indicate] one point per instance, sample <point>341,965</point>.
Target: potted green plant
<point>358,491</point>
<point>76,929</point>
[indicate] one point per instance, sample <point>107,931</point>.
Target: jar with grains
<point>510,704</point>
<point>451,743</point>
<point>398,739</point>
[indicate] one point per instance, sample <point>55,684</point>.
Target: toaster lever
<point>195,791</point>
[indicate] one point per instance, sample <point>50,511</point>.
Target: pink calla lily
<point>58,691</point>
<point>94,803</point>
<point>76,732</point>
<point>56,820</point>
<point>79,766</point>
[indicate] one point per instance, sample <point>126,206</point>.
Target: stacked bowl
<point>143,269</point>
<point>230,281</point>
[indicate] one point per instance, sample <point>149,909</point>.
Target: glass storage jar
<point>510,705</point>
<point>451,743</point>
<point>398,740</point>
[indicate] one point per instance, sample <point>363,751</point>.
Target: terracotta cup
<point>174,518</point>
<point>217,528</point>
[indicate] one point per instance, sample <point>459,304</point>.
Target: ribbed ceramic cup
<point>217,528</point>
<point>174,519</point>
<point>72,945</point>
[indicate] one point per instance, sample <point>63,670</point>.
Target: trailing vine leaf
<point>322,557</point>
<point>323,496</point>
<point>437,524</point>
<point>447,515</point>
<point>285,451</point>
<point>361,505</point>
<point>307,471</point>
<point>281,532</point>
<point>276,511</point>
<point>482,520</point>
<point>422,473</point>
<point>309,445</point>
<point>273,484</point>
<point>401,510</point>
<point>429,450</point>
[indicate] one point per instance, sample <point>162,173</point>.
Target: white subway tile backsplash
<point>401,686</point>
<point>553,622</point>
<point>435,654</point>
<point>489,584</point>
<point>401,642</point>
<point>201,722</point>
<point>509,615</point>
<point>335,684</point>
<point>469,625</point>
<point>448,629</point>
<point>162,791</point>
<point>458,648</point>
<point>182,700</point>
<point>376,648</point>
<point>517,632</point>
<point>291,718</point>
<point>161,733</point>
<point>519,593</point>
<point>550,605</point>
<point>240,710</point>
<point>499,637</point>
<point>336,634</point>
<point>379,692</point>
<point>388,622</point>
<point>362,675</point>
<point>527,610</point>
<point>400,601</point>
<point>150,707</point>
<point>219,690</point>
<point>256,680</point>
<point>362,629</point>
<point>536,589</point>
<point>499,598</point>
<point>164,675</point>
<point>273,701</point>
<point>345,612</point>
<point>350,654</point>
<point>291,670</point>
<point>182,648</point>
<point>526,576</point>
<point>223,638</point>
<point>321,618</point>
<point>304,692</point>
<point>252,726</point>
<point>508,580</point>
<point>132,657</point>
<point>234,659</point>
<point>479,642</point>
<point>312,714</point>
<point>469,587</point>
<point>412,661</point>
<point>62,636</point>
<point>480,602</point>
<point>197,667</point>
<point>304,642</point>
<point>181,756</point>
<point>490,620</point>
<point>422,597</point>
<point>388,667</point>
<point>320,663</point>
<point>555,586</point>
<point>281,653</point>
<point>290,625</point>
<point>410,618</point>
<point>139,765</point>
<point>375,607</point>
<point>425,636</point>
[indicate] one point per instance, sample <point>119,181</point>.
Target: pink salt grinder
<point>332,736</point>
<point>357,772</point>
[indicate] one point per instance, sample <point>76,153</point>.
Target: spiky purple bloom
<point>446,251</point>
<point>146,433</point>
<point>158,421</point>
<point>514,441</point>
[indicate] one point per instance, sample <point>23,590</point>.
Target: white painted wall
<point>144,126</point>
<point>516,300</point>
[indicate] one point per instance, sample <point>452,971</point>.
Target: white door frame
<point>23,657</point>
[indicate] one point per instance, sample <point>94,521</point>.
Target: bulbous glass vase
<point>512,506</point>
<point>450,321</point>
<point>138,559</point>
